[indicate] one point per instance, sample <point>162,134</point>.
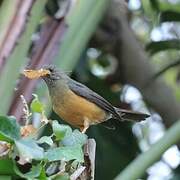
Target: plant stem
<point>82,23</point>
<point>7,11</point>
<point>138,167</point>
<point>18,58</point>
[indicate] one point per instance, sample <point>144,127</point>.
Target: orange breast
<point>75,109</point>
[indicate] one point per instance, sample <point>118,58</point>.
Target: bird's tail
<point>129,115</point>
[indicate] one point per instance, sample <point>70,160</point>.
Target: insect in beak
<point>35,74</point>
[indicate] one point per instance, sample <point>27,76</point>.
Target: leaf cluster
<point>24,154</point>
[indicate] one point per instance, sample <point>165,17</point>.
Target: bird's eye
<point>50,69</point>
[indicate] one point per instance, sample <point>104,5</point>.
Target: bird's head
<point>53,75</point>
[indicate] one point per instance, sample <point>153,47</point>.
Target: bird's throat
<point>58,91</point>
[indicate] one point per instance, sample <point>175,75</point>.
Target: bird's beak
<point>35,74</point>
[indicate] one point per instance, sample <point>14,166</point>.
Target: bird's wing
<point>84,91</point>
<point>122,114</point>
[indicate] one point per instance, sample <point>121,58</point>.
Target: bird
<point>80,106</point>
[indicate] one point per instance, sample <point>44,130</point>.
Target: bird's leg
<point>86,125</point>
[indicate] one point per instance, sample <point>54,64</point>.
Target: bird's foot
<point>85,127</point>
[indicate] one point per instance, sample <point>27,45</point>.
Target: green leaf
<point>9,129</point>
<point>88,13</point>
<point>170,16</point>
<point>149,9</point>
<point>6,167</point>
<point>45,139</point>
<point>34,172</point>
<point>36,105</point>
<point>76,138</point>
<point>166,6</point>
<point>43,175</point>
<point>154,4</point>
<point>28,149</point>
<point>64,176</point>
<point>157,46</point>
<point>173,64</point>
<point>17,171</point>
<point>60,130</point>
<point>5,177</point>
<point>65,153</point>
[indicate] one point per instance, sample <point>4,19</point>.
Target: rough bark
<point>116,37</point>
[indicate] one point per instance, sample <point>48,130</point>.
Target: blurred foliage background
<point>127,51</point>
